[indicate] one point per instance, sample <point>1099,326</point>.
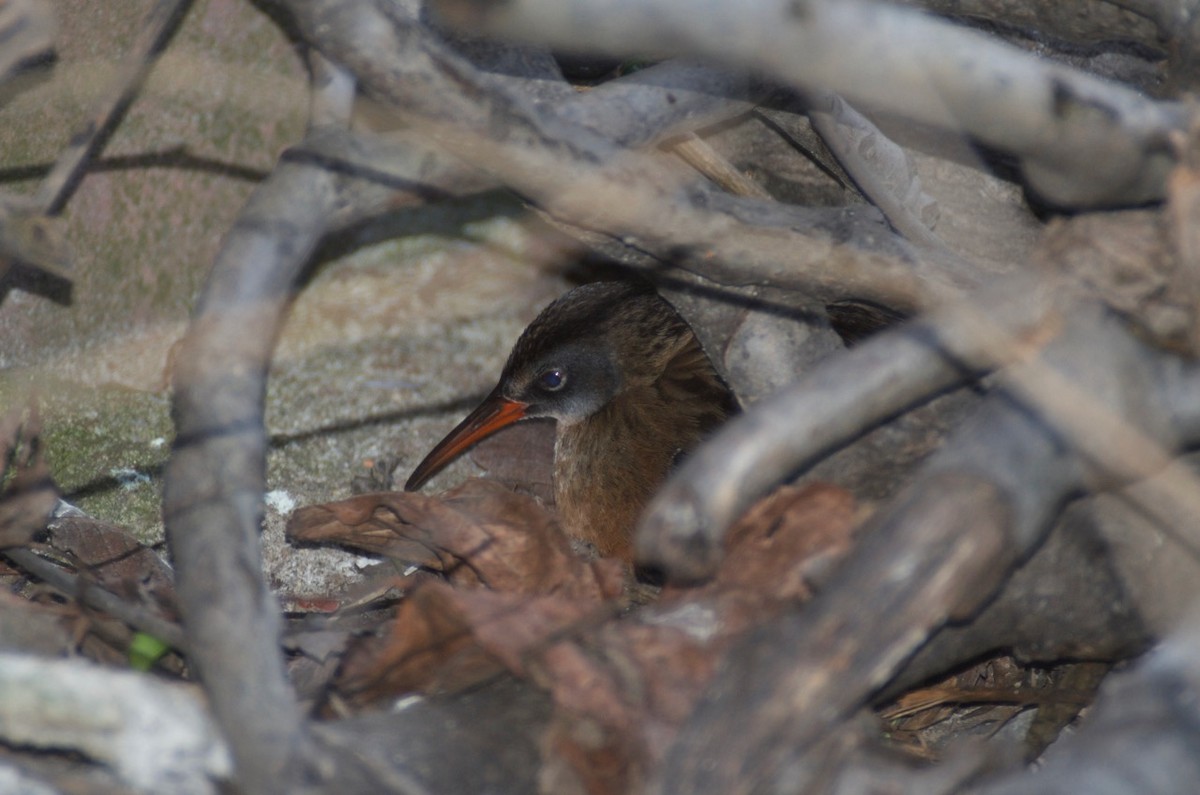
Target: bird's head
<point>577,355</point>
<point>568,382</point>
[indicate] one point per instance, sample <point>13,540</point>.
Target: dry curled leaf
<point>478,534</point>
<point>622,683</point>
<point>445,639</point>
<point>511,581</point>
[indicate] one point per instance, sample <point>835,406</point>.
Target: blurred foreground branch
<point>1057,120</point>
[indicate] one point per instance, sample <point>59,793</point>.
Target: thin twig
<point>670,98</point>
<point>76,587</point>
<point>160,26</point>
<point>696,152</point>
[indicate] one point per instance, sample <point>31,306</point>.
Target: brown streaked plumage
<point>631,390</point>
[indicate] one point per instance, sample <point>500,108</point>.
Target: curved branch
<point>683,528</point>
<point>216,477</point>
<point>156,736</point>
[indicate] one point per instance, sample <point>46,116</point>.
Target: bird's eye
<point>552,380</point>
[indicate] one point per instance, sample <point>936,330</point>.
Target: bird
<point>631,391</point>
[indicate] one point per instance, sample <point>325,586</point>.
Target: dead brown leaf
<point>114,559</point>
<point>517,600</point>
<point>427,648</point>
<point>931,719</point>
<point>445,639</point>
<point>478,534</point>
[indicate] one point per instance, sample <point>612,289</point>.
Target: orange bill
<point>493,414</point>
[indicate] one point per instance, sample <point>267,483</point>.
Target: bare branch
<point>999,482</point>
<point>584,180</point>
<point>663,100</point>
<point>215,479</point>
<point>1058,120</point>
<point>76,587</point>
<point>683,527</point>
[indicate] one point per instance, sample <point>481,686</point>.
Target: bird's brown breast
<point>607,466</point>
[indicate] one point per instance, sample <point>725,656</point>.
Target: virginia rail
<point>631,391</point>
